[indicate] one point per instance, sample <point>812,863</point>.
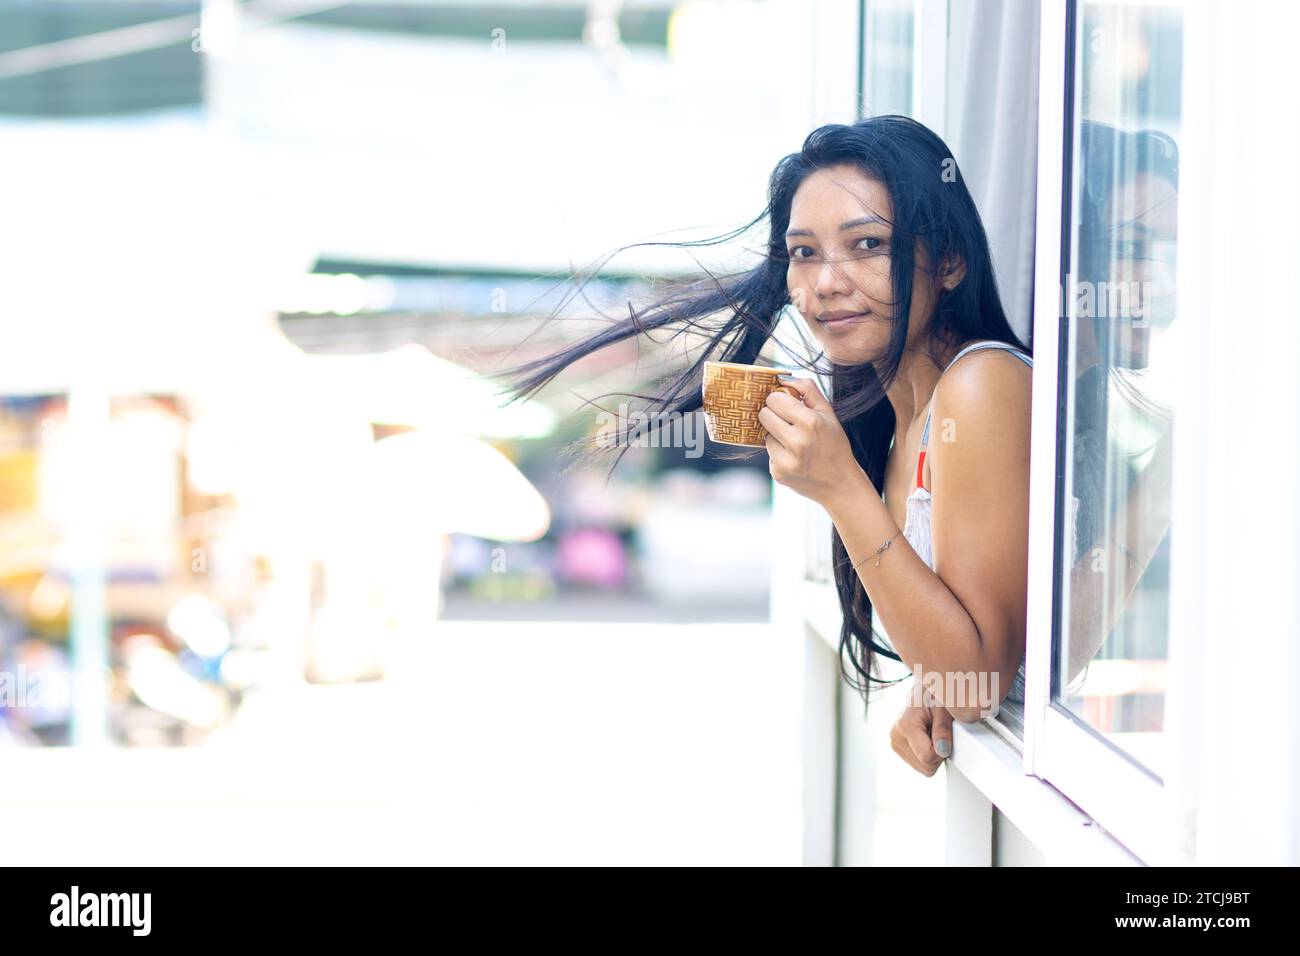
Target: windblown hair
<point>736,315</point>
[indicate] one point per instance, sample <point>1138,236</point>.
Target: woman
<point>1128,226</point>
<point>876,241</point>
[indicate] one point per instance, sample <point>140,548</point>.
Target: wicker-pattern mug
<point>733,396</point>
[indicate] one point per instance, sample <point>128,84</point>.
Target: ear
<point>953,272</point>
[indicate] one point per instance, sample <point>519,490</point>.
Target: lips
<point>839,320</point>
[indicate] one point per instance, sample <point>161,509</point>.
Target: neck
<point>913,387</point>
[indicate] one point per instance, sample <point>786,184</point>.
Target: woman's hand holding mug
<point>807,447</point>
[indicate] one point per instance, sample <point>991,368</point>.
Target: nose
<point>831,283</point>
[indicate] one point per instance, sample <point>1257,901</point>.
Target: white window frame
<point>1125,798</point>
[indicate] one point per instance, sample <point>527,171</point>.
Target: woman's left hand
<point>807,448</point>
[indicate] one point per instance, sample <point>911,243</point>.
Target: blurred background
<point>258,494</point>
<point>282,580</point>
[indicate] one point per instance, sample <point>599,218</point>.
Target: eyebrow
<point>851,224</point>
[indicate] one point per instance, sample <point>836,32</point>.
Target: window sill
<point>1064,833</point>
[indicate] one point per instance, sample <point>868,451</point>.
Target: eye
<point>873,243</point>
<point>1131,249</point>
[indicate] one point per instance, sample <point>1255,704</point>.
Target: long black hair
<point>735,315</point>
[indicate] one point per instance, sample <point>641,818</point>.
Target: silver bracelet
<point>877,554</point>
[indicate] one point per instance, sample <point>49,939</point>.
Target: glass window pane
<point>1110,667</point>
<point>887,70</point>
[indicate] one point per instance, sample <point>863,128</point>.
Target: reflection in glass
<point>1120,292</point>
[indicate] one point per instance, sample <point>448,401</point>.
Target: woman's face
<point>839,243</point>
<point>1143,218</point>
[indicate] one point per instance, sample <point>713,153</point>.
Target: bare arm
<point>967,616</point>
<point>927,624</point>
<point>1104,578</point>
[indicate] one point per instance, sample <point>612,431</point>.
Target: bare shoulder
<point>985,381</point>
<point>984,396</point>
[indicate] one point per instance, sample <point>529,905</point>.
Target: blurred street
<point>555,743</point>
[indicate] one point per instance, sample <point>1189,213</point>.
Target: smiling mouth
<point>843,322</point>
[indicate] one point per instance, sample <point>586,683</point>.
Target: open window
<point>1104,409</point>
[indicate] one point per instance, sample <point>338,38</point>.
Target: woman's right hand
<point>917,735</point>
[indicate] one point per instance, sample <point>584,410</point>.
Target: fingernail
<point>942,748</point>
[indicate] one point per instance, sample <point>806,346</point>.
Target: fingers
<point>904,750</point>
<point>811,392</point>
<point>783,414</point>
<point>791,391</point>
<point>941,731</point>
<point>788,403</point>
<point>910,739</point>
<point>917,735</point>
<point>780,429</point>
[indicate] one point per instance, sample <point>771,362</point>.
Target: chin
<point>855,350</point>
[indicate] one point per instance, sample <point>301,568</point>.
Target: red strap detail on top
<point>972,347</point>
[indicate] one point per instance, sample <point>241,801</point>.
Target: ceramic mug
<point>733,396</point>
